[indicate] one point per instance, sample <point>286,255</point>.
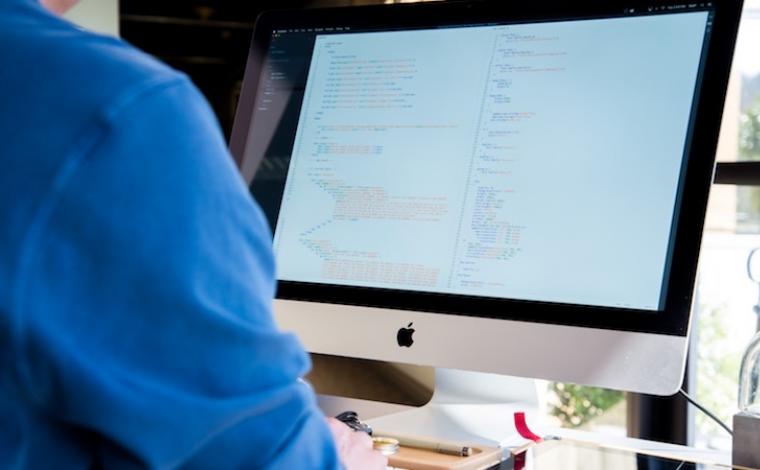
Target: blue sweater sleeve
<point>145,296</point>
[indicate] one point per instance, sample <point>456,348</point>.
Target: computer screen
<point>536,161</point>
<point>543,162</point>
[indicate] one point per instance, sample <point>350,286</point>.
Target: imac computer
<point>514,188</point>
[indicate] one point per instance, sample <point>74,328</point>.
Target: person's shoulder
<point>123,73</point>
<point>118,61</point>
<point>75,71</point>
<point>113,69</point>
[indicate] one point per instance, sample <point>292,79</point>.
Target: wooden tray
<point>421,459</point>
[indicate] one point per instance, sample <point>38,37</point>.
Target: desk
<point>577,449</point>
<point>568,454</point>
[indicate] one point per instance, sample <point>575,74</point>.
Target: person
<point>136,273</point>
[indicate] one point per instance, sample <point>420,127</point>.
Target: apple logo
<point>404,336</point>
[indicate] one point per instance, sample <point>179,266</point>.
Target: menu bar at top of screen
<point>625,11</point>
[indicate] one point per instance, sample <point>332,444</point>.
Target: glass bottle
<point>749,378</point>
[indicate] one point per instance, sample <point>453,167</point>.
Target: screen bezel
<point>673,319</point>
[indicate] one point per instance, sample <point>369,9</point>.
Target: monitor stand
<point>471,407</point>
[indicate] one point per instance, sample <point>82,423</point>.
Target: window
<point>725,296</point>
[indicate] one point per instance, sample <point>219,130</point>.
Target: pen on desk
<point>429,444</point>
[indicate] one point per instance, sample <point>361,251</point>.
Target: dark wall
<point>206,39</point>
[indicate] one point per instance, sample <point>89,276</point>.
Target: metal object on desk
<point>746,439</point>
<point>746,442</point>
<point>385,445</point>
<point>746,447</point>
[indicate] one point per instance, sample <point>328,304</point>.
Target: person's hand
<point>355,448</point>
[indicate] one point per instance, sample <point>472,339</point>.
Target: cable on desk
<point>705,411</point>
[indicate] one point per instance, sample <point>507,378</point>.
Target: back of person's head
<point>59,6</point>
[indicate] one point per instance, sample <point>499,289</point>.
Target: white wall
<point>98,15</point>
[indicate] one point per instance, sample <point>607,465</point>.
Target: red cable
<point>522,428</point>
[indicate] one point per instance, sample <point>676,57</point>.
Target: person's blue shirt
<point>136,272</point>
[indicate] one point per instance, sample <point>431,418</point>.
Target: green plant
<point>749,132</point>
<point>576,405</point>
<point>748,198</point>
<point>718,359</point>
